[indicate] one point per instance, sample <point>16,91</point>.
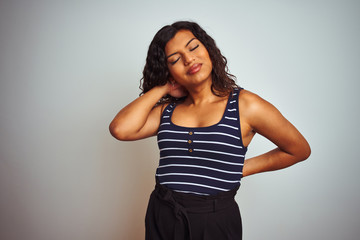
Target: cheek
<point>207,60</point>
<point>205,55</point>
<point>175,70</point>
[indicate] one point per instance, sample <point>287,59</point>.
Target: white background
<point>67,67</point>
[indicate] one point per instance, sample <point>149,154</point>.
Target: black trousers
<point>181,216</point>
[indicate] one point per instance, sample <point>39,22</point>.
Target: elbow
<point>117,132</point>
<point>307,152</point>
<point>304,153</point>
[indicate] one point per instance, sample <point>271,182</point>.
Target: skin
<point>201,108</point>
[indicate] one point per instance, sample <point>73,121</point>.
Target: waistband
<point>193,203</point>
<point>183,204</point>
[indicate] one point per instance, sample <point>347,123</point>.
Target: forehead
<point>181,38</point>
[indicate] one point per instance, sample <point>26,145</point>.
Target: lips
<point>194,68</point>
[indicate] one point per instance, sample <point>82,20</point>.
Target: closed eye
<point>192,49</point>
<point>172,63</point>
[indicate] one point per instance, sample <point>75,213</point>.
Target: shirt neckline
<point>211,126</point>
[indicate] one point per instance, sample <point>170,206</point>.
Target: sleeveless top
<point>201,160</point>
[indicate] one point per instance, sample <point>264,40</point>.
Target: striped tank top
<point>202,160</point>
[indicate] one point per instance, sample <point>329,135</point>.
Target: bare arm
<point>266,120</point>
<point>140,119</point>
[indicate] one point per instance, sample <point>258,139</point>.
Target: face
<point>188,60</point>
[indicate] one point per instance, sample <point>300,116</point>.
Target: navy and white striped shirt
<point>203,160</point>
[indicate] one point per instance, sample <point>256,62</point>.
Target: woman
<point>204,123</point>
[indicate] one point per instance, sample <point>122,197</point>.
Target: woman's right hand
<point>176,90</point>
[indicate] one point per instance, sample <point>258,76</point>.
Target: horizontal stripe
<point>218,152</point>
<point>197,175</point>
<point>202,158</point>
<point>194,184</point>
<point>230,118</point>
<point>232,101</point>
<point>225,125</point>
<point>167,149</point>
<point>166,123</point>
<point>197,166</point>
<point>172,140</point>
<point>214,142</point>
<point>218,133</point>
<point>166,116</point>
<point>232,109</point>
<point>171,131</point>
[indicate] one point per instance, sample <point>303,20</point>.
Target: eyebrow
<point>185,46</point>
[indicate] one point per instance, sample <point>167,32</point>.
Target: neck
<point>200,94</point>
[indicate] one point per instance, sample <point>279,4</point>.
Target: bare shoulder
<point>248,97</point>
<point>158,110</point>
<point>251,103</point>
<point>162,107</point>
<point>257,112</point>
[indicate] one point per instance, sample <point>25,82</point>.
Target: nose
<point>188,58</point>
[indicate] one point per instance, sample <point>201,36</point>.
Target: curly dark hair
<point>156,72</point>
